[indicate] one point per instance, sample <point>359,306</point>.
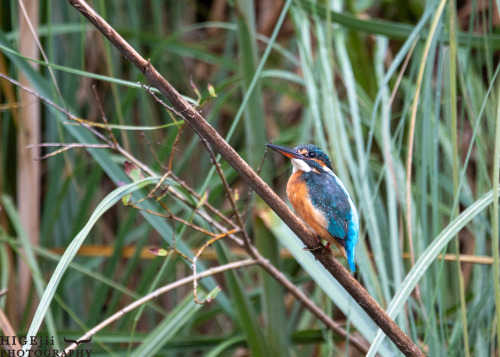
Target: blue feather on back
<point>329,195</point>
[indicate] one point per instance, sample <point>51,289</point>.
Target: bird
<point>320,198</point>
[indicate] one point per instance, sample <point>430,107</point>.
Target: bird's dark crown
<point>311,151</point>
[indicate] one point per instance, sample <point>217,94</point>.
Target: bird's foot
<point>313,248</point>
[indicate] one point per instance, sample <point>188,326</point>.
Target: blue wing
<point>329,195</point>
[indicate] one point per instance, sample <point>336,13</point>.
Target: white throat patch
<point>300,165</point>
<point>327,169</point>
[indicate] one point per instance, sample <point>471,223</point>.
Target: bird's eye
<point>312,154</point>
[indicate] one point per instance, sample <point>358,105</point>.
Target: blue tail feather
<point>350,258</point>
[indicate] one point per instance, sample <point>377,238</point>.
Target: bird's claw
<point>314,248</point>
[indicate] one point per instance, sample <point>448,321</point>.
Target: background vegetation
<point>404,97</point>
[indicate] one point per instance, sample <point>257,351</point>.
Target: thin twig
<point>157,186</point>
<point>250,190</point>
<point>198,197</point>
<point>57,107</point>
<point>170,215</point>
<point>103,116</point>
<point>153,152</point>
<point>157,293</point>
<point>170,161</point>
<point>195,261</point>
<point>229,194</point>
<point>176,142</point>
<point>169,109</point>
<point>66,147</point>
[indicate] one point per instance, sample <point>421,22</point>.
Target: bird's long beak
<point>285,151</point>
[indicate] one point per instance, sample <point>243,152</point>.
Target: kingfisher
<point>320,199</point>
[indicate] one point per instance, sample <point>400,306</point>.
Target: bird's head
<point>306,158</point>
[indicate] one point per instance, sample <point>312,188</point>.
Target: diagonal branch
<point>207,132</point>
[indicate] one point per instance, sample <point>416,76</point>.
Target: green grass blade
<point>454,139</point>
<point>494,223</point>
<point>252,85</point>
<point>169,327</point>
<point>72,249</point>
<point>223,346</point>
<point>390,29</point>
<point>429,256</point>
<point>246,313</point>
<point>30,260</point>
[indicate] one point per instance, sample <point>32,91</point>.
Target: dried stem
<point>170,161</point>
<point>170,215</point>
<point>66,147</point>
<point>150,147</point>
<point>207,204</point>
<point>157,293</point>
<point>169,109</point>
<point>176,142</point>
<point>103,116</point>
<point>250,191</point>
<point>195,260</point>
<point>229,194</point>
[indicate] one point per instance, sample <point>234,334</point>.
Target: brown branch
<point>153,152</point>
<point>168,170</point>
<point>207,132</point>
<point>168,108</point>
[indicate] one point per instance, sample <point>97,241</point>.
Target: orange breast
<point>298,195</point>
